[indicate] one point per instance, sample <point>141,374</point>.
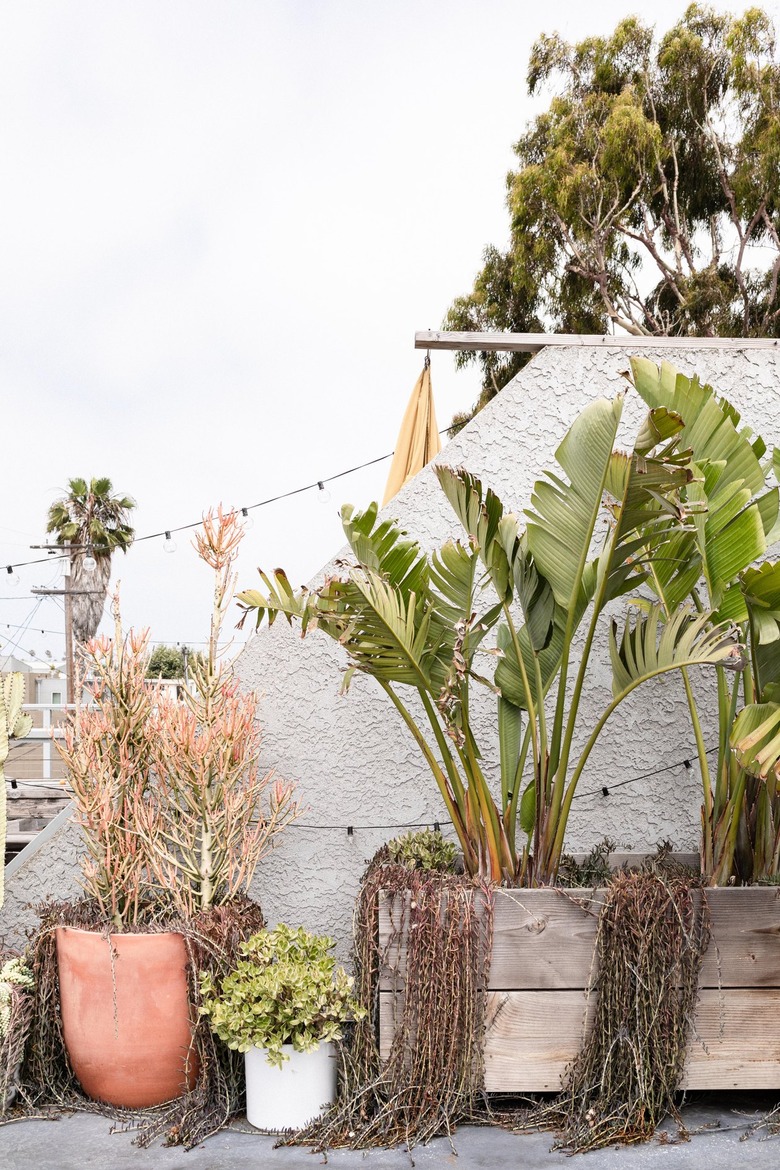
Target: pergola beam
<point>533,342</point>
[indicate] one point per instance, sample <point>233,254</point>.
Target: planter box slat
<point>532,1036</point>
<point>543,939</point>
<point>542,963</point>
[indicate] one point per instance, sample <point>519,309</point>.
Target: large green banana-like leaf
<point>509,678</point>
<point>479,511</point>
<point>482,515</point>
<point>730,508</point>
<point>643,497</point>
<point>649,646</point>
<point>280,598</point>
<point>503,550</point>
<point>386,548</point>
<point>510,738</point>
<point>761,591</point>
<point>755,737</point>
<point>392,637</point>
<point>563,515</point>
<point>710,423</point>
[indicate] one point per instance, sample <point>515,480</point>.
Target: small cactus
<point>13,725</point>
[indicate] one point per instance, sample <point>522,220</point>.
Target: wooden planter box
<point>542,964</point>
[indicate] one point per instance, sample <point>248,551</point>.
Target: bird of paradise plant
<point>416,622</point>
<point>733,504</point>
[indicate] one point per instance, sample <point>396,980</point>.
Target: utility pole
<point>68,593</point>
<point>70,662</point>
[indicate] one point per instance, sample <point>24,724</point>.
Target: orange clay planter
<point>126,1015</point>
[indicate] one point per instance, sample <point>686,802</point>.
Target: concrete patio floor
<point>83,1140</point>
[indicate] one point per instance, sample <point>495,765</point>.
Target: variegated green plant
<point>14,724</point>
<point>417,622</point>
<point>284,989</point>
<point>733,505</point>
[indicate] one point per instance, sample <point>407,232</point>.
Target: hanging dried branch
<point>433,1076</point>
<point>653,932</point>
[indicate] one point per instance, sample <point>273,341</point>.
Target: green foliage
<point>645,194</point>
<point>90,515</point>
<point>13,725</point>
<point>172,662</point>
<point>13,974</point>
<point>733,503</point>
<point>594,869</point>
<point>426,850</point>
<point>284,989</point>
<point>165,662</point>
<point>418,621</point>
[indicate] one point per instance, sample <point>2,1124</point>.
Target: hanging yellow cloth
<point>418,440</point>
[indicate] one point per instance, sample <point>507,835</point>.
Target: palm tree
<point>95,523</point>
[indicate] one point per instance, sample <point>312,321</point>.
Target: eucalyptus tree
<point>645,197</point>
<point>96,523</point>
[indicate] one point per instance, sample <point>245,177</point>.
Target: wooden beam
<point>533,342</point>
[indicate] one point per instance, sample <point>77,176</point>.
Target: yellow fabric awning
<point>418,440</point>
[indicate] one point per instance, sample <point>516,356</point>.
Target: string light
<point>169,544</point>
<point>319,483</point>
<point>246,519</point>
<point>323,494</point>
<point>12,574</point>
<point>88,563</point>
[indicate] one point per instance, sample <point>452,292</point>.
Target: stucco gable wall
<point>352,758</point>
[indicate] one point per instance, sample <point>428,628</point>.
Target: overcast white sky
<point>222,223</point>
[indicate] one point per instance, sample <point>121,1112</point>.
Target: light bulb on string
<point>169,544</point>
<point>89,564</point>
<point>246,519</point>
<point>323,495</point>
<point>13,576</point>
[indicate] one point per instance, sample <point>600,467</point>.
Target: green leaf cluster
<point>426,850</point>
<point>284,989</point>
<point>421,622</point>
<point>715,562</point>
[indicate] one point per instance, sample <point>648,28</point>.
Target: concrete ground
<point>80,1141</point>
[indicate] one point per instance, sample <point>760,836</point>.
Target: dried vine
<point>439,952</point>
<point>652,934</point>
<point>47,1080</point>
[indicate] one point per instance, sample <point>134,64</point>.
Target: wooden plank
<point>744,950</point>
<point>544,939</point>
<point>532,1036</point>
<point>533,342</point>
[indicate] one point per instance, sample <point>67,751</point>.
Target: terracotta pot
<point>126,1015</point>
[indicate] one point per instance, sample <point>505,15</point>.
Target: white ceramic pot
<point>288,1097</point>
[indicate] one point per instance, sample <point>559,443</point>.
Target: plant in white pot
<point>283,1006</point>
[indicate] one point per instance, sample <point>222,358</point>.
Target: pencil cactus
<point>13,725</point>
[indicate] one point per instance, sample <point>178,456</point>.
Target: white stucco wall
<point>352,758</point>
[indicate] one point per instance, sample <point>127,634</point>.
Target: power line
<point>166,532</point>
<point>22,630</point>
